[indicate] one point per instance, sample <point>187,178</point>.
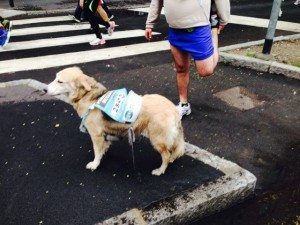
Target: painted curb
<point>236,185</point>
<point>259,64</point>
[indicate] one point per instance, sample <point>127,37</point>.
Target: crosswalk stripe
<point>258,22</point>
<point>248,21</point>
<point>34,63</point>
<point>50,29</point>
<point>62,41</point>
<point>42,20</point>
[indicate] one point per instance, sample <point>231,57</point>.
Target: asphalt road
<point>43,175</point>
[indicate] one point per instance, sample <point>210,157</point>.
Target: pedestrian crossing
<point>45,42</point>
<point>54,34</point>
<point>63,41</point>
<point>74,58</point>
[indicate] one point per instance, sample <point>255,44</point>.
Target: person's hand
<point>148,34</point>
<point>221,28</point>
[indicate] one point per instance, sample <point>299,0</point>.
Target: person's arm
<point>153,17</point>
<point>102,13</point>
<point>223,11</point>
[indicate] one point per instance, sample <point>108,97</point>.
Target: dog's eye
<point>59,81</point>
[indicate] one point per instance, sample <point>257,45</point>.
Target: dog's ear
<point>76,95</point>
<point>84,82</point>
<point>79,88</point>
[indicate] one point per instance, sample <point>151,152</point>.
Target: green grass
<point>297,64</point>
<point>251,54</point>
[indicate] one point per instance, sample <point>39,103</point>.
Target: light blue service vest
<point>120,106</point>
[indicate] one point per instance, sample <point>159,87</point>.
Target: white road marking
<point>62,41</point>
<point>41,62</point>
<point>249,21</point>
<point>50,29</point>
<point>257,22</point>
<point>42,20</point>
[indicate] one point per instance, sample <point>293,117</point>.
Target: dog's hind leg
<point>178,148</point>
<point>165,156</point>
<point>100,147</point>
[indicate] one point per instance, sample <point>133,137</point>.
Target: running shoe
<point>98,41</point>
<point>111,28</point>
<point>184,109</point>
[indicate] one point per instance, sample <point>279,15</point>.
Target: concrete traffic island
<point>44,155</point>
<point>235,185</point>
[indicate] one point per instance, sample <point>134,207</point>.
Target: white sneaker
<point>98,41</point>
<point>111,28</point>
<point>184,109</point>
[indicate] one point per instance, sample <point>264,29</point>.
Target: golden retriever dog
<point>158,119</point>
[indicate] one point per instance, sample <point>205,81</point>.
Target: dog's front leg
<point>100,147</point>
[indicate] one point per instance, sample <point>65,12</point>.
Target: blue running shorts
<point>195,41</point>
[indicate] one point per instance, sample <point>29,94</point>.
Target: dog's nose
<point>45,90</point>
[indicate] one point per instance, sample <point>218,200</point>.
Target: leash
<point>131,140</point>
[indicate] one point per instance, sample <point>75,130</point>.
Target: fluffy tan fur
<point>158,120</point>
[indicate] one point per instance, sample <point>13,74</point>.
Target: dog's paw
<point>172,159</point>
<point>157,172</point>
<point>92,165</point>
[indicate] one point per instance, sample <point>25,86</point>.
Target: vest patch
<point>121,106</point>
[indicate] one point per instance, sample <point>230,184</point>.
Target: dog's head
<point>73,83</point>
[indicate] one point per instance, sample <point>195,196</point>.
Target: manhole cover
<point>241,98</point>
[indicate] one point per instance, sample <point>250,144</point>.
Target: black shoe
<point>11,3</point>
<point>74,18</point>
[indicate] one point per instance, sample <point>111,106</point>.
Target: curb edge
<point>259,64</point>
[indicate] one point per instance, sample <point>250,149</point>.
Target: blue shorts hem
<point>197,43</point>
